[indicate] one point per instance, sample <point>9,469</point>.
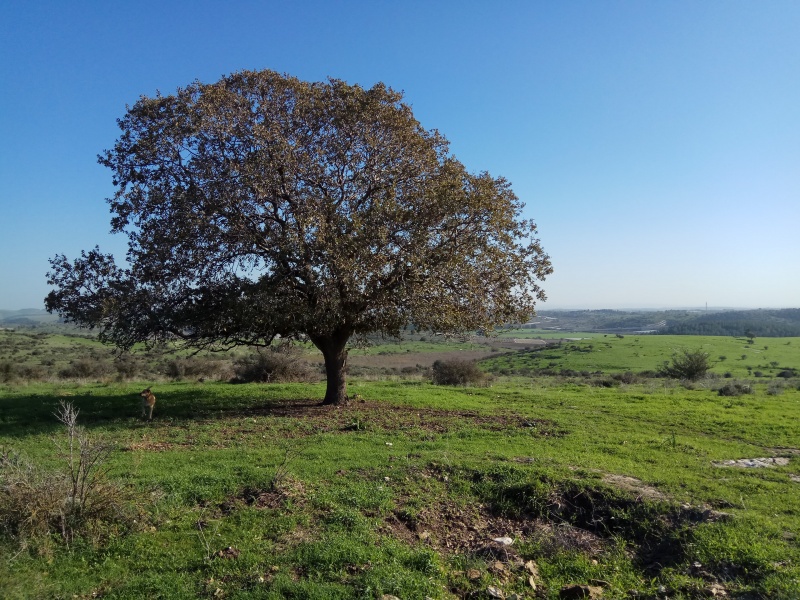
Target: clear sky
<point>656,144</point>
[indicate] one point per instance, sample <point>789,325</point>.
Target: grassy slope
<point>453,449</point>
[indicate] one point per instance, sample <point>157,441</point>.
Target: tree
<point>263,206</point>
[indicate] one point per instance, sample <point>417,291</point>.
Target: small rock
<point>505,540</point>
<point>389,597</point>
<point>532,568</point>
<point>715,591</point>
<point>229,552</point>
<point>495,593</point>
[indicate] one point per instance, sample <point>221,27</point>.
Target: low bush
<point>776,388</point>
<point>457,372</point>
<point>735,388</point>
<point>86,368</point>
<point>275,364</point>
<point>687,364</point>
<point>627,377</point>
<point>10,372</point>
<point>195,367</point>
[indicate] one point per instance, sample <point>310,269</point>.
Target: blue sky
<point>656,144</point>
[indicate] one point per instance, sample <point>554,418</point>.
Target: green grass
<point>401,493</point>
<point>611,354</point>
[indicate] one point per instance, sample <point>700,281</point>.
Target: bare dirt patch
<point>306,417</point>
<point>400,360</point>
<point>635,486</point>
<point>451,528</point>
<point>153,446</point>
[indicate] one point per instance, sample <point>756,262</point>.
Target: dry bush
<point>14,373</point>
<point>195,367</point>
<point>457,372</point>
<point>276,364</point>
<point>86,368</point>
<point>76,501</point>
<point>735,388</point>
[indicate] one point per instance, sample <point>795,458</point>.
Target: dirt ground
<point>413,359</point>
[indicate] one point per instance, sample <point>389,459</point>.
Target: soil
<point>380,416</point>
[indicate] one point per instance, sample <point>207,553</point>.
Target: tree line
<point>761,323</point>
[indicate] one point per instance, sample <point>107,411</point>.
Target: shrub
<point>10,372</point>
<point>735,388</point>
<point>275,364</point>
<point>776,388</point>
<point>86,368</point>
<point>128,366</point>
<point>687,364</point>
<point>627,377</point>
<point>457,372</point>
<point>74,501</point>
<point>193,367</point>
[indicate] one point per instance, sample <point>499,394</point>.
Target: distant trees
<point>747,323</point>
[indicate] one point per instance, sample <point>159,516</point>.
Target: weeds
<point>74,501</point>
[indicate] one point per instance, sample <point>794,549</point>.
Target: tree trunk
<point>334,349</point>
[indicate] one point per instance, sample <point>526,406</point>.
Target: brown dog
<point>148,401</point>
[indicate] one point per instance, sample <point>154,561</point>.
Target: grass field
<point>766,357</point>
<point>256,491</point>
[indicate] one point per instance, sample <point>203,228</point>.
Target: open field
<point>257,491</point>
<point>40,356</point>
<point>254,491</point>
<point>765,357</point>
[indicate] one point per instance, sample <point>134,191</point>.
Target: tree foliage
<point>263,206</point>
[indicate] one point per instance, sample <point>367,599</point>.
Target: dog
<point>148,402</point>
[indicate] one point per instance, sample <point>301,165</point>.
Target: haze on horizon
<point>656,145</point>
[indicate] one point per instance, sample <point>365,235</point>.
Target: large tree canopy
<point>263,205</point>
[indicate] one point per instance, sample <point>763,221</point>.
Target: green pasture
<point>612,354</point>
<point>256,491</point>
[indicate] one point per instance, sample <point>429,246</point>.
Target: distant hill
<point>27,317</point>
<point>761,322</point>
